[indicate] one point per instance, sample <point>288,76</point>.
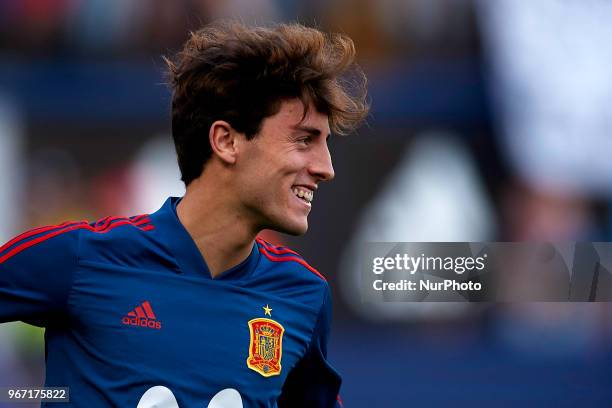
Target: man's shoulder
<point>34,245</point>
<point>120,240</point>
<point>70,241</point>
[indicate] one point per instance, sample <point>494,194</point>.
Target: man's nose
<point>321,166</point>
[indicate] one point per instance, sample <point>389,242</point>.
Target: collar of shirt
<point>175,237</point>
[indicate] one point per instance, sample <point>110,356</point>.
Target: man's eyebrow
<point>308,129</point>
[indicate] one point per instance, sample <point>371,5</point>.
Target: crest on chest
<point>266,346</point>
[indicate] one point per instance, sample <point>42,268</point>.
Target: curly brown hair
<point>228,71</point>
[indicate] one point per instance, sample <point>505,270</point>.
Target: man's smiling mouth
<point>303,193</point>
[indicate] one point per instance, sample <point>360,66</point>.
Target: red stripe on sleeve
<point>53,231</point>
<point>38,240</point>
<point>138,217</point>
<point>142,221</point>
<point>107,223</point>
<point>101,221</point>
<point>35,231</point>
<point>115,225</point>
<point>291,258</point>
<point>275,250</point>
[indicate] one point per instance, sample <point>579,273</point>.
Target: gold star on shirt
<point>267,310</point>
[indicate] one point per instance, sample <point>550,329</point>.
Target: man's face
<point>278,172</point>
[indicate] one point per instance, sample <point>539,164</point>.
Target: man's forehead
<point>293,111</point>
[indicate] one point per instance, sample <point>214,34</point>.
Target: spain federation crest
<point>266,346</point>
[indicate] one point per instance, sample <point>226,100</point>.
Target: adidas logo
<point>142,316</point>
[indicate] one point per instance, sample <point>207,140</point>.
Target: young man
<point>186,307</point>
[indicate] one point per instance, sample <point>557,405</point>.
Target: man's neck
<point>222,235</point>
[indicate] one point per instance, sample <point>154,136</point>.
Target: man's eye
<point>305,140</point>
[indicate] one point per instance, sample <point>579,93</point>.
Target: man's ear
<point>222,137</point>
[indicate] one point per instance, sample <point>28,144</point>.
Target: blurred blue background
<point>491,121</point>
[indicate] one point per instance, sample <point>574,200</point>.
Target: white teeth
<point>307,195</point>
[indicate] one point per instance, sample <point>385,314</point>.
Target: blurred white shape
<point>11,160</point>
<point>227,398</point>
<point>155,176</point>
<point>11,184</point>
<point>434,195</point>
<point>550,63</point>
<point>13,368</point>
<point>158,397</point>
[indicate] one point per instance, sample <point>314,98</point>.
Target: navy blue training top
<point>134,319</point>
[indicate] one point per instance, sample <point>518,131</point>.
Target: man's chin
<point>295,229</point>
